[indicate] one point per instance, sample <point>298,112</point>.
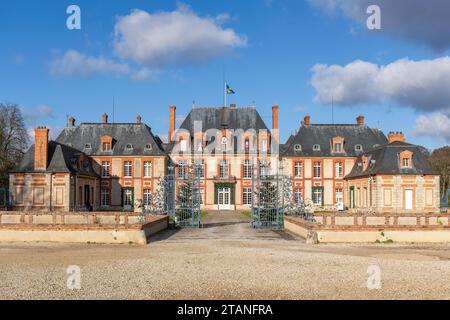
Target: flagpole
<point>225,95</point>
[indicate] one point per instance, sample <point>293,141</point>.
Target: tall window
<point>104,197</point>
<point>298,169</point>
<point>127,169</point>
<point>106,146</point>
<point>182,169</point>
<point>247,196</point>
<point>317,196</point>
<point>201,169</point>
<point>147,169</point>
<point>339,170</point>
<point>2,197</point>
<point>339,196</point>
<point>128,197</point>
<point>338,147</point>
<point>317,170</point>
<point>105,169</point>
<point>264,168</point>
<point>248,169</point>
<point>298,196</point>
<point>147,199</point>
<point>223,169</point>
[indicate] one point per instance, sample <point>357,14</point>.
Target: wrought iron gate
<point>267,201</point>
<point>179,196</point>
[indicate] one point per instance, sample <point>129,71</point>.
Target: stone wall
<point>98,227</point>
<point>374,228</point>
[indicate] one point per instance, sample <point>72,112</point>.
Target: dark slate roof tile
<point>385,160</point>
<point>322,134</point>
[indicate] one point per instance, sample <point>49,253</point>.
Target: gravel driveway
<point>226,259</point>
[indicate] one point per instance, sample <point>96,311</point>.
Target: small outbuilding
<point>394,178</point>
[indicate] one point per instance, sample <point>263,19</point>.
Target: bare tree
<point>13,138</point>
<point>440,161</point>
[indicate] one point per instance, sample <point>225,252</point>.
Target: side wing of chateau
<point>109,166</point>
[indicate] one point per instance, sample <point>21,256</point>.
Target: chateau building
<point>319,156</point>
<point>92,166</point>
<point>117,166</point>
<point>394,178</point>
<point>231,145</point>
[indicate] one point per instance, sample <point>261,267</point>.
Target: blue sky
<point>267,50</point>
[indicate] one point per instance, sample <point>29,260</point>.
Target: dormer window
<point>148,147</point>
<point>358,148</point>
<point>298,147</point>
<point>316,147</point>
<point>88,146</point>
<point>106,143</point>
<point>129,146</point>
<point>406,159</point>
<point>106,146</point>
<point>183,145</point>
<point>338,144</point>
<point>406,163</point>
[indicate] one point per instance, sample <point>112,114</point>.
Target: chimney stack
<point>307,120</point>
<point>71,122</point>
<point>172,114</point>
<point>105,119</point>
<point>360,120</point>
<point>396,137</point>
<point>139,119</point>
<point>275,127</point>
<point>40,148</point>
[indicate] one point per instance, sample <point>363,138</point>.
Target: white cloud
<point>422,84</point>
<point>434,125</point>
<point>180,36</point>
<point>45,111</point>
<point>424,22</point>
<point>79,64</point>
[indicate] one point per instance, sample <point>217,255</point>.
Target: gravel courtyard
<point>224,260</point>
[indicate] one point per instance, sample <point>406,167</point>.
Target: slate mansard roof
<point>89,135</point>
<point>246,118</point>
<point>386,160</point>
<point>224,118</point>
<point>61,159</point>
<point>301,144</point>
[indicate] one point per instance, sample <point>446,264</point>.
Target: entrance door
<point>408,199</point>
<point>224,198</point>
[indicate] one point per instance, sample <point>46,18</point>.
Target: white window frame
<point>339,170</point>
<point>105,197</point>
<point>246,196</point>
<point>147,169</point>
<point>182,169</point>
<point>223,169</point>
<point>298,169</point>
<point>248,169</point>
<point>106,169</point>
<point>317,169</point>
<point>298,196</point>
<point>147,198</point>
<point>128,169</point>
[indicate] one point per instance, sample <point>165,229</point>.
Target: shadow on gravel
<point>163,235</point>
<point>285,236</point>
<point>221,224</point>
